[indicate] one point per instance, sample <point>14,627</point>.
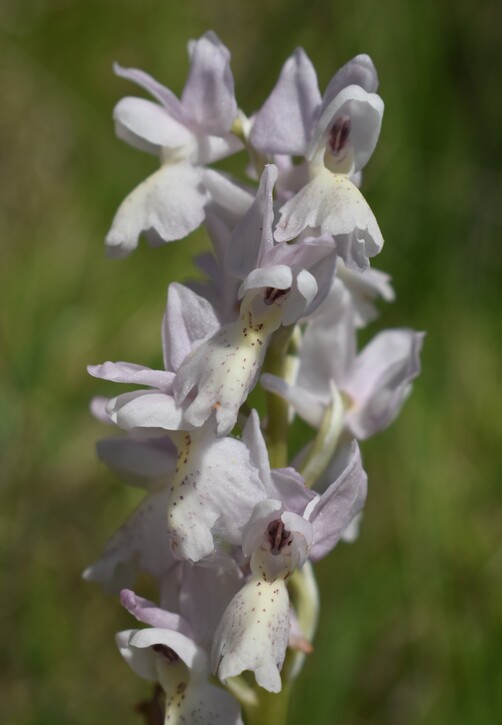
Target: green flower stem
<point>238,128</point>
<point>326,440</point>
<point>304,596</point>
<point>277,408</point>
<point>271,708</point>
<point>245,693</point>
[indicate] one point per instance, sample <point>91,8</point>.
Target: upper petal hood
<point>361,114</point>
<point>359,71</point>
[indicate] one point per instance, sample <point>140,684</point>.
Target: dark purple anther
<point>272,295</point>
<point>339,134</point>
<point>278,536</point>
<point>167,652</point>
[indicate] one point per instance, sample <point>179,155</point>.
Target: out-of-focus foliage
<point>411,627</point>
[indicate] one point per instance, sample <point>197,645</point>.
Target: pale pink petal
<point>253,237</point>
<point>188,321</point>
<point>149,613</point>
<point>138,458</point>
<point>124,372</point>
<point>283,124</point>
<point>380,380</point>
<point>338,505</point>
<point>140,544</point>
<point>308,405</point>
<point>208,97</point>
<point>138,121</point>
<point>145,409</point>
<point>156,89</point>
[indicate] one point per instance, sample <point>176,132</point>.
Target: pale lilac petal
<point>213,148</point>
<point>124,372</point>
<point>338,505</point>
<point>140,544</point>
<point>365,287</point>
<point>255,442</point>
<point>380,380</point>
<point>332,204</point>
<point>157,90</point>
<point>289,487</point>
<point>351,533</point>
<point>324,273</point>
<point>220,290</point>
<point>308,405</point>
<point>138,121</point>
<point>283,124</point>
<point>205,591</point>
<point>189,320</point>
<point>328,344</point>
<point>339,462</point>
<point>145,409</point>
<point>232,198</point>
<point>253,236</point>
<point>359,71</point>
<point>212,704</point>
<point>149,613</point>
<point>208,97</point>
<point>303,293</point>
<point>169,204</point>
<point>302,255</point>
<point>352,250</point>
<point>143,458</point>
<point>97,407</point>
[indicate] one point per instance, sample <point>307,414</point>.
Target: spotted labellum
<point>236,511</point>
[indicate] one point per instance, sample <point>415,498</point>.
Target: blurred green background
<point>411,628</point>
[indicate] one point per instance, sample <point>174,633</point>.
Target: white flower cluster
<point>228,524</point>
